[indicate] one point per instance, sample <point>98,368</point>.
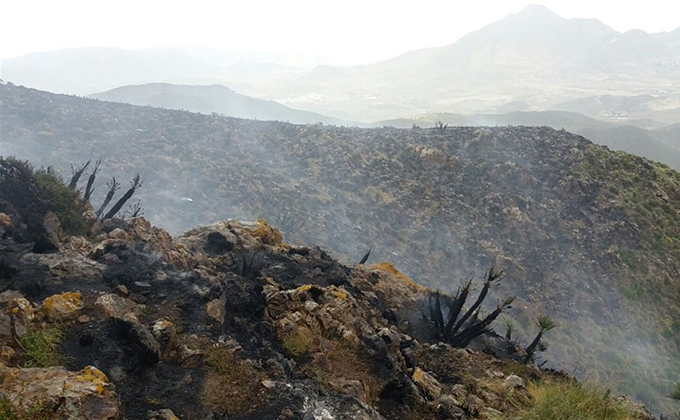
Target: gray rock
<point>513,381</point>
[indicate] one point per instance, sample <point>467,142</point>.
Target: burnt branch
<point>77,173</point>
<point>365,257</point>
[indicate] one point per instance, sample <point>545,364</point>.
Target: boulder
<point>68,266</point>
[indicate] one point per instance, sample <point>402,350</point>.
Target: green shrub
<point>66,203</point>
<point>34,193</point>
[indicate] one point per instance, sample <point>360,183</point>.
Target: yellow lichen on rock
<point>338,294</point>
<point>389,268</point>
<point>62,306</point>
<point>5,221</point>
<point>90,374</point>
<point>428,384</point>
<point>20,307</point>
<point>85,394</point>
<point>266,233</point>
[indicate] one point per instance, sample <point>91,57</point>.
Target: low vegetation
<point>41,347</point>
<point>231,386</point>
<point>35,193</point>
<point>37,411</point>
<point>572,401</point>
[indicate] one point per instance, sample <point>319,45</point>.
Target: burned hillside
<point>227,321</point>
<point>584,234</point>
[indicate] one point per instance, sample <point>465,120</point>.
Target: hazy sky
<point>347,31</point>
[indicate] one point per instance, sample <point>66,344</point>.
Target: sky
<point>346,32</point>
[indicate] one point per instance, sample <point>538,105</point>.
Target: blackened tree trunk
<point>113,187</point>
<point>90,181</point>
<point>77,173</point>
<point>135,185</point>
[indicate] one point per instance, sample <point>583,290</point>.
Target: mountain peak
<point>537,11</point>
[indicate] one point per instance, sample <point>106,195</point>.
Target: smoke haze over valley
<point>542,145</point>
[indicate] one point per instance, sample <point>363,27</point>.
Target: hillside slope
<point>587,235</point>
<point>228,322</point>
<point>658,145</point>
<point>209,99</point>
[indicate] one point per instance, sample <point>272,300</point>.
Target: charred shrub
<point>134,267</point>
<point>458,325</point>
<point>249,264</point>
<point>6,270</point>
<point>217,244</point>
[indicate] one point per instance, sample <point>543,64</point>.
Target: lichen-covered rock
<point>115,306</point>
<point>430,155</point>
<point>82,395</point>
<point>21,314</point>
<point>78,244</point>
<point>266,233</point>
<point>8,295</point>
<point>139,233</point>
<point>63,306</point>
<point>164,331</point>
<point>337,316</point>
<point>427,383</point>
<point>5,221</point>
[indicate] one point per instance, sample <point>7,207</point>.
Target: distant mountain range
<point>534,60</point>
<point>83,71</point>
<point>209,99</point>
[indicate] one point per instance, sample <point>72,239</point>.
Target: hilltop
<point>209,99</point>
<point>641,137</point>
<point>584,234</point>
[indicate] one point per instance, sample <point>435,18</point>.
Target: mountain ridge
<point>517,60</point>
<point>211,98</point>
